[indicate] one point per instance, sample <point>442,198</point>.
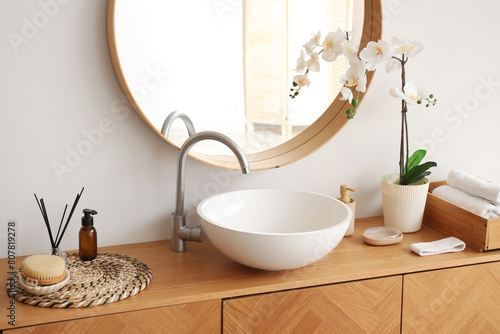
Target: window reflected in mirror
<point>229,65</point>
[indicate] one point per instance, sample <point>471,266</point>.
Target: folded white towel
<point>474,185</point>
<point>446,245</point>
<point>477,205</point>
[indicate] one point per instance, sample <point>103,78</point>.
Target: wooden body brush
<point>43,269</point>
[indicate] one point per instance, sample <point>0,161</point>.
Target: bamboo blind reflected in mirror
<point>269,58</point>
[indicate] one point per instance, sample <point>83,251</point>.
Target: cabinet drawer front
<point>202,318</point>
<point>455,300</point>
<point>370,306</point>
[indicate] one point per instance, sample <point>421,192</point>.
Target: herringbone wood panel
<point>201,318</point>
<point>370,306</point>
<point>456,300</point>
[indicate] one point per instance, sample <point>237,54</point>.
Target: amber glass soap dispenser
<point>88,236</point>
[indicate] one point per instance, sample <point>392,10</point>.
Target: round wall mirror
<point>228,66</point>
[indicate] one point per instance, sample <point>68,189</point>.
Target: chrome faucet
<point>165,129</point>
<point>180,231</point>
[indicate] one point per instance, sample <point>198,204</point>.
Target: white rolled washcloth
<point>446,245</point>
<point>477,205</point>
<point>474,185</point>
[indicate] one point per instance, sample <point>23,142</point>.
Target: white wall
<point>57,84</point>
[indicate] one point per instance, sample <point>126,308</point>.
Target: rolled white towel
<point>474,185</point>
<point>479,206</point>
<point>446,245</point>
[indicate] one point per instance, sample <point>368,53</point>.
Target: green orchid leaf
<point>419,177</point>
<point>412,175</point>
<point>415,159</point>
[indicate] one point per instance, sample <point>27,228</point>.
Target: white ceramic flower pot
<point>403,205</point>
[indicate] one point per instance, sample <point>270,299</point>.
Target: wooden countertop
<point>202,273</point>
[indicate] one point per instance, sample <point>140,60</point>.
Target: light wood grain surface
<point>454,300</point>
<point>477,232</point>
<point>193,318</point>
<point>203,273</point>
<point>367,306</point>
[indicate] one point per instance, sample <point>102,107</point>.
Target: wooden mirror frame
<point>298,147</point>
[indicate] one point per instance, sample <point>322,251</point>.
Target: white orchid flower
<point>350,51</point>
<point>355,76</point>
<point>346,94</point>
<point>301,62</point>
<point>392,64</point>
<point>308,50</point>
<point>301,80</point>
<point>314,41</point>
<point>374,53</point>
<point>406,46</point>
<point>313,62</point>
<point>352,34</point>
<point>332,45</point>
<point>411,93</point>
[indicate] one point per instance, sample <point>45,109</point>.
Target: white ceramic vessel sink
<point>274,229</point>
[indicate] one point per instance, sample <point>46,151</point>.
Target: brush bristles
<point>44,266</point>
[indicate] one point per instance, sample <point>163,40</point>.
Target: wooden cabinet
<point>463,299</point>
<point>456,300</point>
<point>368,306</point>
<point>356,288</point>
<point>202,317</point>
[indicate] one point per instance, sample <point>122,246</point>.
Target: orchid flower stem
<point>401,148</point>
<point>407,141</point>
<point>403,162</point>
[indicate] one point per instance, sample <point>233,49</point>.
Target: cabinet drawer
<point>455,300</point>
<point>202,318</point>
<point>369,306</point>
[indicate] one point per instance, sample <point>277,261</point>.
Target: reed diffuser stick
<point>70,215</point>
<point>41,204</point>
<point>47,222</point>
<point>60,224</point>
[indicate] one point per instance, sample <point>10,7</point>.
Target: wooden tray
<point>477,232</point>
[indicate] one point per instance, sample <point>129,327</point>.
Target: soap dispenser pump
<point>351,203</point>
<point>88,236</point>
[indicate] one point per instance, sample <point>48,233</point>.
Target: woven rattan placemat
<point>107,279</point>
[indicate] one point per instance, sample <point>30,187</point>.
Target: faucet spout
<point>165,129</point>
<point>181,232</point>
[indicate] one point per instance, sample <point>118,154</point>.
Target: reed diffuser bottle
<point>88,236</point>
